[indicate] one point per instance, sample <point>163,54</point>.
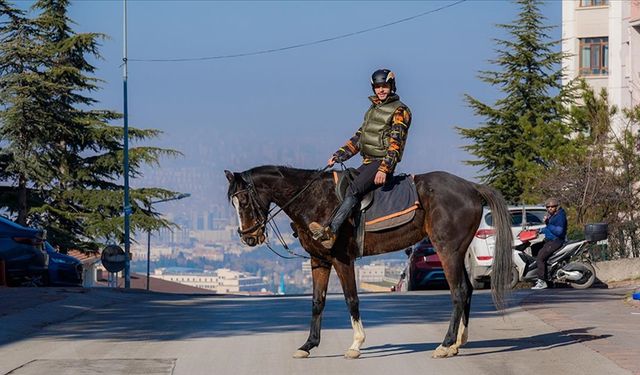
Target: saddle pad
<point>394,204</point>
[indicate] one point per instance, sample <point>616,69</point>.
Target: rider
<point>380,140</point>
<point>555,234</point>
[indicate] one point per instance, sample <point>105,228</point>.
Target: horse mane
<point>283,171</point>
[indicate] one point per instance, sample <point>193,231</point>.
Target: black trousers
<point>363,183</point>
<point>544,253</point>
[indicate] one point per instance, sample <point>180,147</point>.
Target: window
<point>534,217</point>
<point>593,3</point>
<point>594,56</point>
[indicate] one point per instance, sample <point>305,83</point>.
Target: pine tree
<point>524,126</point>
<point>82,153</point>
<point>23,110</point>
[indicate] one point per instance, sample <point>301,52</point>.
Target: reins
<point>272,212</point>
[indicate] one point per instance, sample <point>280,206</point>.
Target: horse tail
<point>503,253</point>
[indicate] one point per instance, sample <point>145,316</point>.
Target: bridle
<point>257,205</point>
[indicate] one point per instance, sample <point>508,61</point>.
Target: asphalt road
<point>107,332</point>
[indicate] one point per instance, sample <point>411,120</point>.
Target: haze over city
<point>296,106</point>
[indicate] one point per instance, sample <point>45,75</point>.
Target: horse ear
<point>229,175</point>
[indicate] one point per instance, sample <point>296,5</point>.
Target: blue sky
<point>309,99</point>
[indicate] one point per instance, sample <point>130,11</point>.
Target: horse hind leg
<point>463,330</point>
<point>461,291</point>
<point>358,339</point>
<point>320,273</point>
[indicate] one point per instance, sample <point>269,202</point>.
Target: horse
<point>449,213</point>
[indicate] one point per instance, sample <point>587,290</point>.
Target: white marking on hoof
<point>463,335</point>
<point>358,339</point>
<point>301,354</point>
<point>352,354</point>
<point>444,352</point>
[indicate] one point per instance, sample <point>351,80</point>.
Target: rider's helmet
<point>384,76</point>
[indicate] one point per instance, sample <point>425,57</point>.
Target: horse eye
<point>242,199</point>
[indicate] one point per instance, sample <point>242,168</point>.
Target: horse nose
<point>251,241</point>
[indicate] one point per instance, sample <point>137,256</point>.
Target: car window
<point>534,217</point>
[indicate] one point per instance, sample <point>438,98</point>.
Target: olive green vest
<point>374,138</point>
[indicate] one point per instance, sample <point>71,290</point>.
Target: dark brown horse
<point>449,213</point>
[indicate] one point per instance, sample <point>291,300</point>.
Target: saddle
<point>386,207</point>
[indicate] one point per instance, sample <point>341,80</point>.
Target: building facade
<point>223,281</point>
<point>602,40</point>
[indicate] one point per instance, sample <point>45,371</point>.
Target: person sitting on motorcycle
<point>555,234</point>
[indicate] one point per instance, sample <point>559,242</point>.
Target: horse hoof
<point>352,354</point>
<point>444,352</point>
<point>464,339</point>
<point>301,354</point>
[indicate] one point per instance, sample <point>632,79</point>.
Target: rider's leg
<point>544,253</point>
<point>343,212</point>
<point>361,185</point>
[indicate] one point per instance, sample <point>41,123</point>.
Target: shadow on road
<point>541,342</point>
<point>163,317</point>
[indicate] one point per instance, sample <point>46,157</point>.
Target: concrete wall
<point>617,270</point>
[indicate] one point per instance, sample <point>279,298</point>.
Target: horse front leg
<point>320,271</point>
<point>346,274</point>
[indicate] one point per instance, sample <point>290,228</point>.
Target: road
<point>149,333</point>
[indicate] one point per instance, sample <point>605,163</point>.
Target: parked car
<point>425,269</point>
<point>480,254</point>
<point>64,270</point>
<point>21,249</point>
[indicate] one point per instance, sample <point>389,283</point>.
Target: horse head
<point>251,208</point>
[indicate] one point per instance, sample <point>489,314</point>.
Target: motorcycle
<point>570,264</point>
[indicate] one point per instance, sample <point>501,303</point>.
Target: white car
<point>480,253</point>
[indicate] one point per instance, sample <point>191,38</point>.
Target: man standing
<point>380,140</point>
<point>555,234</point>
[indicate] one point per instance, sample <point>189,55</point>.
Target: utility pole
<point>126,203</point>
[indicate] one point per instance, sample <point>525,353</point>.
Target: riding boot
<point>327,235</point>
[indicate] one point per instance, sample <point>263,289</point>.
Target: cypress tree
<point>524,126</point>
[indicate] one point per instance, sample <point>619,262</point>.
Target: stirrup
<point>323,234</point>
<point>317,231</point>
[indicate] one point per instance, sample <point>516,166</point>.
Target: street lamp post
<point>180,196</point>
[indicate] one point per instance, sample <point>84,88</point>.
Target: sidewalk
<point>599,317</point>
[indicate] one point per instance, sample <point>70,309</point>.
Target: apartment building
<point>221,280</point>
<point>603,40</point>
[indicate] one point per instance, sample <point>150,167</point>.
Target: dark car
<point>425,269</point>
<point>21,249</point>
<point>64,270</point>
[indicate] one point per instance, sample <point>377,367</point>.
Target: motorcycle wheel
<point>515,277</point>
<point>585,282</point>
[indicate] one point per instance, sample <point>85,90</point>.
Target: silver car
<point>480,253</point>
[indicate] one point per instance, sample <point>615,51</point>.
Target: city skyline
<point>292,107</point>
